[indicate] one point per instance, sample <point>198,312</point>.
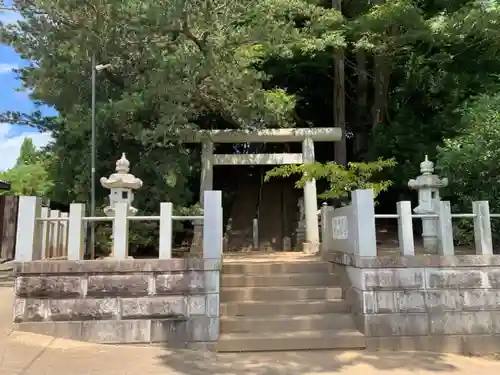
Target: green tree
<point>408,67</point>
<point>470,161</point>
<point>402,69</point>
<point>28,153</point>
<point>175,65</point>
<point>30,175</point>
<point>28,179</point>
<point>454,59</point>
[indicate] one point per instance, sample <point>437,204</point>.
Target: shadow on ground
<point>299,363</point>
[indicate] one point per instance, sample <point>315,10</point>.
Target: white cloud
<point>10,146</point>
<point>7,68</point>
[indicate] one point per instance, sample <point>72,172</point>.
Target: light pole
<point>95,69</point>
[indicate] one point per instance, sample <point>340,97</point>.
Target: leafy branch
<point>341,180</point>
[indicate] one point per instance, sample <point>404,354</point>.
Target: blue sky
<point>12,136</point>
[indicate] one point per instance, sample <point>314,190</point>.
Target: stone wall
<point>427,302</point>
<point>172,301</point>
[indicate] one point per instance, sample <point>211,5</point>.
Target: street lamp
<point>95,68</point>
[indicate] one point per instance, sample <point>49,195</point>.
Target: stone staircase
<point>271,306</point>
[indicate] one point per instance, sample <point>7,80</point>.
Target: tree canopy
<point>174,65</point>
<point>393,74</point>
<point>30,175</point>
<point>28,153</point>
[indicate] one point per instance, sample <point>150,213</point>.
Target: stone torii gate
<point>284,135</point>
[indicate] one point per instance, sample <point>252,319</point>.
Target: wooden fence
<point>8,226</point>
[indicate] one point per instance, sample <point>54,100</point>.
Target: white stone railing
<point>34,233</point>
<point>351,229</point>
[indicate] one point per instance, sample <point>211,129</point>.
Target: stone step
<point>270,308</point>
<point>6,279</point>
<point>302,340</point>
<point>275,268</point>
<point>287,323</point>
<point>279,293</point>
<point>292,279</point>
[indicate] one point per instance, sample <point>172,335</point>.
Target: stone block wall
<point>427,302</point>
<point>172,301</point>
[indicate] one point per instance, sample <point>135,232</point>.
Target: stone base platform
<point>424,302</point>
<point>131,301</point>
<point>472,345</point>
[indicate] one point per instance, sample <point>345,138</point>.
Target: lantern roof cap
<point>121,179</point>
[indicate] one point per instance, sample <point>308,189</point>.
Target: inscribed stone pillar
<point>310,201</point>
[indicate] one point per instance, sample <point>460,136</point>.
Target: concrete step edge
<point>332,315</point>
<point>278,276</point>
<point>249,264</point>
<point>268,271</point>
<point>280,294</point>
<point>290,303</point>
<point>327,333</point>
<point>274,288</point>
<point>246,343</point>
<point>286,323</point>
<point>266,263</point>
<point>290,307</point>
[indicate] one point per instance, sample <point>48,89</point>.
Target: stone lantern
<point>122,185</point>
<point>428,185</point>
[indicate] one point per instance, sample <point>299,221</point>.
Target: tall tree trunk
<point>339,98</point>
<point>361,102</point>
<point>382,74</point>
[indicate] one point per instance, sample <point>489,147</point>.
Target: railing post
<point>326,228</point>
<point>120,231</point>
<point>44,214</point>
<point>54,234</point>
<point>445,229</point>
<point>482,228</point>
<point>255,233</point>
<point>165,251</point>
<point>86,239</point>
<point>64,234</point>
<point>29,229</point>
<point>364,215</point>
<point>405,228</point>
<point>76,232</point>
<point>212,224</point>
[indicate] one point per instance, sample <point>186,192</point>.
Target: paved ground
<point>29,354</point>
